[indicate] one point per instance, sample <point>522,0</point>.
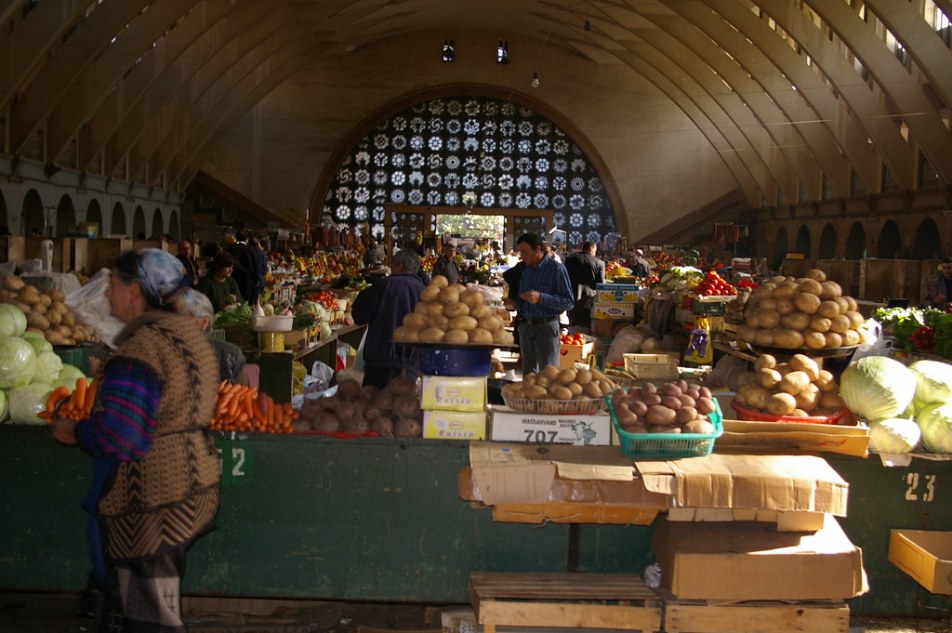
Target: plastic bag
<point>91,306</point>
<point>628,341</point>
<point>319,378</point>
<point>874,343</point>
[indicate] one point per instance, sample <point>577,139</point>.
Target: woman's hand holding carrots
<point>75,405</point>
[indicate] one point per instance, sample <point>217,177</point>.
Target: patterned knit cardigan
<point>170,496</point>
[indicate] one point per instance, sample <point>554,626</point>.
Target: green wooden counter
<point>380,520</point>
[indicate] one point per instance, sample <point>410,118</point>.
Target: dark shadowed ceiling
<point>799,98</point>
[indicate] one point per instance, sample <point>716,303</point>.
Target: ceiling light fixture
<point>502,52</point>
<point>535,80</point>
<point>449,52</point>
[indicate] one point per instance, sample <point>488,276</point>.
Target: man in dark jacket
<point>382,307</point>
<point>585,271</point>
<point>245,272</point>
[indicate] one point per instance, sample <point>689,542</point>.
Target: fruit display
<point>559,391</point>
<point>672,407</point>
<point>713,285</point>
<point>806,313</point>
<point>798,388</point>
<point>354,410</point>
<point>454,315</point>
<point>45,311</point>
<point>572,339</point>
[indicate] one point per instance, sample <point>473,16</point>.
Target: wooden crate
<point>573,601</point>
<point>698,616</point>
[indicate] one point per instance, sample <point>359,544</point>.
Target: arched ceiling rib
<point>894,80</point>
<point>152,102</point>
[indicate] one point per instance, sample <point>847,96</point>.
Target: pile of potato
<point>390,412</point>
<point>46,313</point>
<point>797,388</point>
<point>806,313</point>
<point>455,315</point>
<point>549,390</point>
<point>673,407</point>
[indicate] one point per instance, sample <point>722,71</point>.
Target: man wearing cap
<point>544,294</point>
<point>641,264</point>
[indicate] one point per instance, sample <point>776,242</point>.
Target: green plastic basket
<point>667,445</point>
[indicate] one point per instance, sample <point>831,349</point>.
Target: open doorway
<point>467,225</point>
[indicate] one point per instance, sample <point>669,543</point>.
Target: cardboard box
<point>761,482</point>
<point>925,555</point>
<point>454,425</point>
<point>613,310</point>
<point>451,393</point>
<point>752,561</point>
<point>508,425</point>
<point>571,354</point>
<point>626,293</point>
<point>600,482</point>
<point>557,482</point>
<point>608,328</point>
<point>660,366</point>
<point>748,436</point>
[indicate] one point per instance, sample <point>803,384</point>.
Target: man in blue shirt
<point>544,293</point>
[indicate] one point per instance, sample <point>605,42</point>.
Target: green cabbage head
<point>933,381</point>
<point>936,424</point>
<point>12,320</point>
<point>894,436</point>
<point>17,362</point>
<point>877,387</point>
<point>27,401</point>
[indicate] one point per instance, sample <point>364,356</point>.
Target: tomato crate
<point>667,445</point>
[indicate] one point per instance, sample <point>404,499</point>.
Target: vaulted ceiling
<point>799,98</point>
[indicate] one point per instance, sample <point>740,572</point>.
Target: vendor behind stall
<point>382,307</point>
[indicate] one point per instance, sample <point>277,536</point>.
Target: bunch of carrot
<point>241,408</point>
<point>74,405</point>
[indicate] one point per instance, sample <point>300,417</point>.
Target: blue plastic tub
<point>454,361</point>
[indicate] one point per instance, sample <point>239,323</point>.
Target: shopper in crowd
<point>446,264</point>
<point>231,360</point>
<point>641,267</point>
<point>940,287</point>
<point>217,284</point>
<point>156,395</point>
<point>512,276</point>
<point>261,264</point>
<point>585,271</point>
<point>382,307</point>
<point>191,266</point>
<point>374,255</point>
<point>245,270</point>
<point>544,294</point>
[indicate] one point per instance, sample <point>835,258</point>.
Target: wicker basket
<point>587,406</point>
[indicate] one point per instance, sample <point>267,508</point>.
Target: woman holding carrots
<point>155,397</point>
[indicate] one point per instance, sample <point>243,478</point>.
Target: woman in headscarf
<point>231,360</point>
<point>155,399</point>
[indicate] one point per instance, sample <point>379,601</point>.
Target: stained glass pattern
<point>436,151</point>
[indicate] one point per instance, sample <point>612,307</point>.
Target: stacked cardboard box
<point>454,407</point>
<point>614,308</point>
